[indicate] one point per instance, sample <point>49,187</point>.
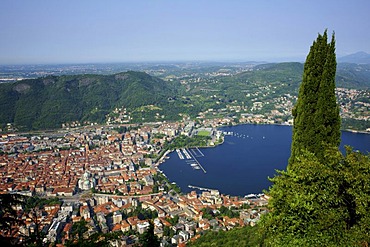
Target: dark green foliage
<point>7,98</point>
<point>353,124</point>
<point>316,114</point>
<point>224,211</point>
<point>96,239</point>
<point>173,221</point>
<point>209,214</point>
<point>320,203</point>
<point>167,231</point>
<point>35,202</point>
<point>246,236</point>
<point>50,101</point>
<point>183,141</point>
<point>121,129</point>
<point>141,213</point>
<point>148,239</point>
<point>9,216</point>
<point>79,228</point>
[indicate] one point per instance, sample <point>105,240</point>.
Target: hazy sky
<point>88,31</point>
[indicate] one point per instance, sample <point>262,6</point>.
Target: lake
<point>243,163</point>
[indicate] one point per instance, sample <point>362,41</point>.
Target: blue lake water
<point>243,163</point>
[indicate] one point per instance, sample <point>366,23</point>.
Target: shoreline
<point>291,125</point>
<point>356,131</point>
<point>61,130</point>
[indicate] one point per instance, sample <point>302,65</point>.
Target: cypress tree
<point>323,198</point>
<point>316,114</point>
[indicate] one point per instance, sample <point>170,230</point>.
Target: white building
<point>117,217</point>
<point>142,227</point>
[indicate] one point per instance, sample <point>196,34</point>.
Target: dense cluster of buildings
<point>354,103</point>
<point>103,176</point>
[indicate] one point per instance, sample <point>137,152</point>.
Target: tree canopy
<point>321,203</point>
<point>316,114</point>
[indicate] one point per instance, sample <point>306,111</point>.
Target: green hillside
<point>352,75</point>
<point>50,101</point>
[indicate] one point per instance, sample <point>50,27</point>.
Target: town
<point>109,178</point>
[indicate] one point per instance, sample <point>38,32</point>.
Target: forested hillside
<point>50,101</point>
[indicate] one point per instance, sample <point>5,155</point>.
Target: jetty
<point>196,152</point>
<point>179,154</point>
<point>202,155</point>
<point>186,153</point>
<point>228,133</point>
<point>164,156</point>
<point>198,188</point>
<point>193,157</point>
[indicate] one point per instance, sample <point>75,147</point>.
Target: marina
<point>190,156</point>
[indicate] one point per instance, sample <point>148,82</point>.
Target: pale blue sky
<point>89,31</point>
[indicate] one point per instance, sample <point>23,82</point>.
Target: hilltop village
<point>109,178</point>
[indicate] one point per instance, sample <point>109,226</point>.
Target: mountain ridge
<point>47,102</point>
<point>360,57</point>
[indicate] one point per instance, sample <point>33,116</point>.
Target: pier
<point>179,154</point>
<point>201,167</point>
<point>198,188</point>
<point>200,152</point>
<point>186,153</point>
<point>164,156</point>
<point>196,152</point>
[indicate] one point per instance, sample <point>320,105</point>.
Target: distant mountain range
<point>358,58</point>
